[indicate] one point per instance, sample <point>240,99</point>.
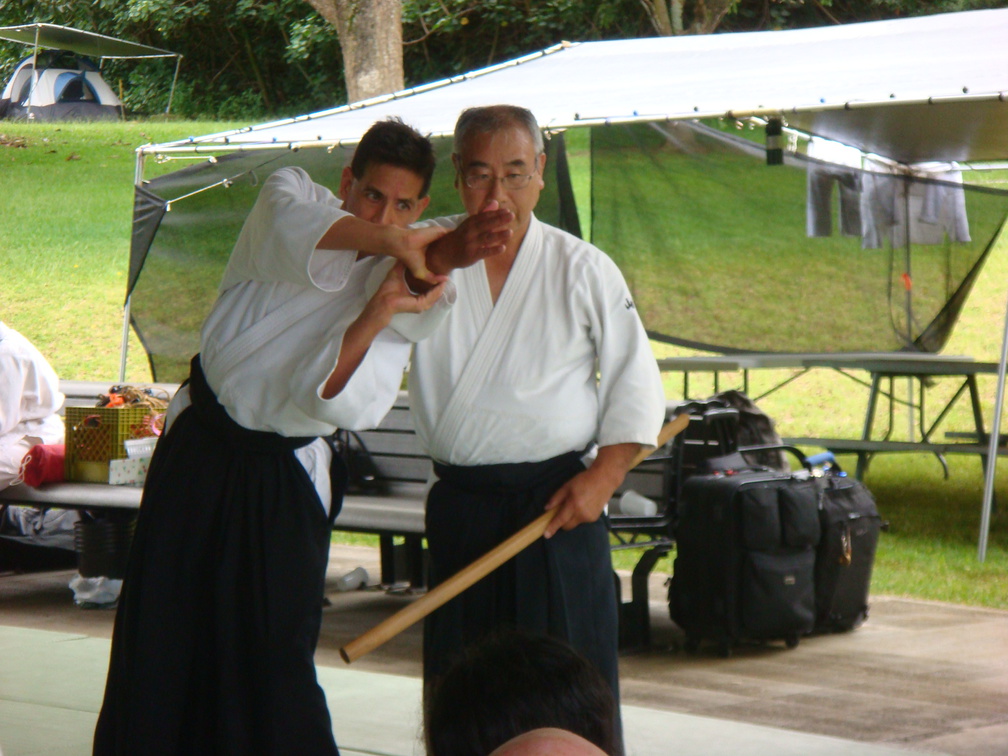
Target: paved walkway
<point>918,677</point>
<point>52,685</point>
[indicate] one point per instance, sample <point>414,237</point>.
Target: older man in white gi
<point>537,391</point>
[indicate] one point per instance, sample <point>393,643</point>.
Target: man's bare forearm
<point>476,238</point>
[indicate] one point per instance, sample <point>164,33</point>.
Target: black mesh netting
<point>722,251</point>
<point>725,252</point>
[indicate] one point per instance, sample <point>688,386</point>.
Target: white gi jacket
<point>561,360</point>
<point>29,401</point>
<point>275,332</point>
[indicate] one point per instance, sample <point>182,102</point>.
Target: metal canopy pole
<point>124,347</point>
<point>35,76</point>
<point>171,92</point>
<point>125,341</point>
<point>992,448</point>
<point>908,292</point>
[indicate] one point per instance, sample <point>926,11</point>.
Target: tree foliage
<point>759,15</point>
<point>242,58</point>
<point>446,37</point>
<point>256,58</point>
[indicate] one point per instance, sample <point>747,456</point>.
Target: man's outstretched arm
<point>408,245</point>
<point>477,237</point>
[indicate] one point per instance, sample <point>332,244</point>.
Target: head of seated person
<point>511,683</point>
<point>548,741</point>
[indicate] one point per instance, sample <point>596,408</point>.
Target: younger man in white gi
<point>537,391</point>
<point>212,651</point>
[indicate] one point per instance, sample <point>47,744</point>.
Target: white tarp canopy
<point>930,88</point>
<point>89,44</point>
<point>912,89</point>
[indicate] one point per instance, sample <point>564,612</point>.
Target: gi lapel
<point>487,350</point>
<point>266,329</point>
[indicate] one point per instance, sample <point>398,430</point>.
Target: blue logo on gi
<point>629,303</point>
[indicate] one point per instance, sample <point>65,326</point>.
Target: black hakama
<point>220,611</point>
<point>561,587</point>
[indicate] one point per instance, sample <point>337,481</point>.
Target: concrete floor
<point>917,677</point>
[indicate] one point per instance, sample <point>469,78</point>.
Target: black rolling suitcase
<point>745,563</point>
<point>850,531</point>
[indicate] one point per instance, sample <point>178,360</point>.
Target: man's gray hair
<point>489,118</point>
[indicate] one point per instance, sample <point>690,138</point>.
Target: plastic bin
<point>103,545</point>
<point>96,435</point>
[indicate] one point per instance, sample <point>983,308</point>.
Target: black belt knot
<point>511,476</point>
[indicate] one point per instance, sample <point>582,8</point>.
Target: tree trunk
<point>666,15</point>
<point>709,14</point>
<point>658,13</point>
<point>370,35</point>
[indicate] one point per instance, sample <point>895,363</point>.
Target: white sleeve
<point>412,326</point>
<point>370,391</point>
<point>10,393</point>
<point>30,387</point>
<point>278,241</point>
<point>631,396</point>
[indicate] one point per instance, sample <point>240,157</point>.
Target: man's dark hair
<point>513,682</point>
<point>392,142</point>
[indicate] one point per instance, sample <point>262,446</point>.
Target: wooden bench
<point>397,513</point>
<point>392,506</point>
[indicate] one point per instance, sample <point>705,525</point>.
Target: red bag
<point>43,464</point>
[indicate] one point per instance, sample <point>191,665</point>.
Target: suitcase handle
<point>798,453</point>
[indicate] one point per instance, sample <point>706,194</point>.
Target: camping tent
<point>59,87</point>
<point>900,93</point>
<point>66,85</point>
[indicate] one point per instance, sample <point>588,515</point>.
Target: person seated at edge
<point>220,611</point>
<point>536,392</point>
<point>30,400</point>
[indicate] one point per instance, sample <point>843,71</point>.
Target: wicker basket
<point>95,435</point>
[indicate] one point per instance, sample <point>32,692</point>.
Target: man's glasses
<point>481,181</point>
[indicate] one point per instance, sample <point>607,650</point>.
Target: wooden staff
<point>477,570</point>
